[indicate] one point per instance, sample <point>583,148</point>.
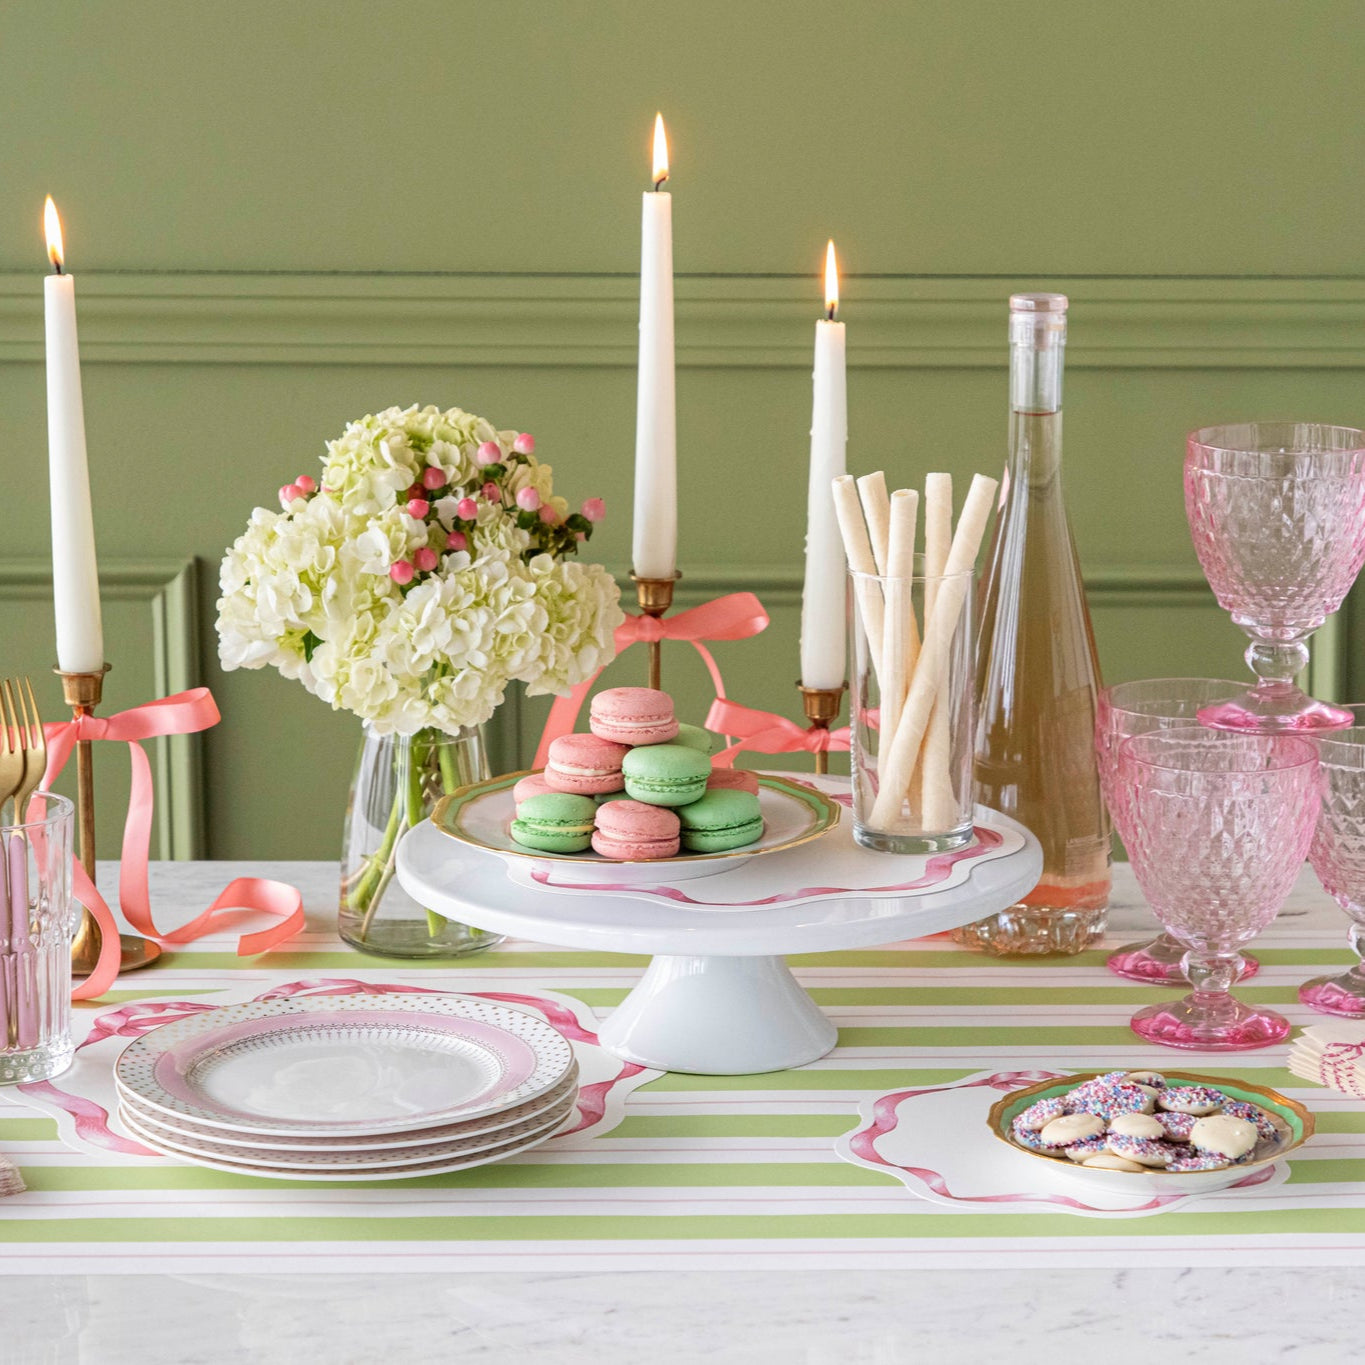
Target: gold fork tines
<point>11,747</point>
<point>35,748</point>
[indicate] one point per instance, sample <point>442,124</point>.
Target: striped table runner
<point>707,1172</point>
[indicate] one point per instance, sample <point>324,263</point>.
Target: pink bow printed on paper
<point>736,616</point>
<point>765,732</point>
<point>185,713</point>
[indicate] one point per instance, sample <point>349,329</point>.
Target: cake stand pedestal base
<point>718,1016</point>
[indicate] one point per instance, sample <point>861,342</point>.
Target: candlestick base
<point>655,596</point>
<point>82,693</point>
<point>822,706</point>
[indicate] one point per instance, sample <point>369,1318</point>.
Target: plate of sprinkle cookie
<point>637,791</point>
<point>1152,1131</point>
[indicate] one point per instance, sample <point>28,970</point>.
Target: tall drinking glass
<point>1277,515</point>
<point>1218,826</point>
<point>1135,708</point>
<point>1338,857</point>
<point>911,710</point>
<point>37,921</point>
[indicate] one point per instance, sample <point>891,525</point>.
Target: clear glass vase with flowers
<point>427,568</point>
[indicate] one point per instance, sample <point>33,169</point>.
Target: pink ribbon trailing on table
<point>185,713</point>
<point>736,616</point>
<point>765,732</point>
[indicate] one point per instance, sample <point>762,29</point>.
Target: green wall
<point>283,216</point>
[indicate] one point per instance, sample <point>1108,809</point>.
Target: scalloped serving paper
<point>84,1099</point>
<point>936,1141</point>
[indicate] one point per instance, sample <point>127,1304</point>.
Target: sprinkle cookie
<point>1192,1099</point>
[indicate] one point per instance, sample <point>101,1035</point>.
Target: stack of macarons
<point>640,786</point>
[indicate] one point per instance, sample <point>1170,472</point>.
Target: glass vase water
<point>398,781</point>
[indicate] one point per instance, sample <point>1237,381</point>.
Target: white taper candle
<point>75,575</point>
<point>655,543</point>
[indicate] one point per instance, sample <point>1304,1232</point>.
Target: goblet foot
<point>1161,962</point>
<point>1223,1024</point>
<point>1344,994</point>
<point>1294,711</point>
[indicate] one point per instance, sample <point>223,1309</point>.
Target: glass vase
<point>398,781</point>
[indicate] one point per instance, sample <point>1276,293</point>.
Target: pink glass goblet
<point>1218,825</point>
<point>1136,708</point>
<point>1277,514</point>
<point>1338,857</point>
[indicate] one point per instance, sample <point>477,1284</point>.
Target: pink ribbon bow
<point>183,714</point>
<point>736,616</point>
<point>765,732</point>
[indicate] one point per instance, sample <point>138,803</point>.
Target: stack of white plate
<point>350,1087</point>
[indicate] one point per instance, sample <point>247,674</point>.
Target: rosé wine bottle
<point>1037,675</point>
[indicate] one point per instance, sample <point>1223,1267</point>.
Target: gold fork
<point>11,748</point>
<point>33,741</point>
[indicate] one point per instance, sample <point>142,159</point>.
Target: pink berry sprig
<point>548,532</point>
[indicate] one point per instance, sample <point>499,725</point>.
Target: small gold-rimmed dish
<point>480,816</point>
<point>1292,1121</point>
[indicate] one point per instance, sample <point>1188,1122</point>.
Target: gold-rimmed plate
<point>480,817</point>
<point>1293,1123</point>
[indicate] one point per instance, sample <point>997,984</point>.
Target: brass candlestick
<point>82,693</point>
<point>655,596</point>
<point>822,706</point>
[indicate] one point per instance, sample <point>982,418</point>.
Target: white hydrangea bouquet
<point>429,566</point>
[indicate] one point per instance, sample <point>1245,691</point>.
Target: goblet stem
<point>1211,975</point>
<point>1277,663</point>
<point>1210,1018</point>
<point>1343,994</point>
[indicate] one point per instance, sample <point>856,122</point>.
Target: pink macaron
<point>586,765</point>
<point>732,779</point>
<point>533,784</point>
<point>632,832</point>
<point>633,715</point>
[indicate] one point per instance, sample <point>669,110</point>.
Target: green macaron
<point>555,822</point>
<point>721,820</point>
<point>694,737</point>
<point>665,774</point>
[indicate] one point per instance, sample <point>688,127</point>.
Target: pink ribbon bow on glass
<point>183,714</point>
<point>765,732</point>
<point>736,616</point>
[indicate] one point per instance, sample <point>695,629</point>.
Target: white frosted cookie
<point>1191,1099</point>
<point>1146,1151</point>
<point>1107,1161</point>
<point>1224,1135</point>
<point>1150,1079</point>
<point>1138,1126</point>
<point>1070,1128</point>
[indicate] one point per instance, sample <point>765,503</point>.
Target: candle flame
<point>52,225</point>
<point>831,282</point>
<point>660,151</point>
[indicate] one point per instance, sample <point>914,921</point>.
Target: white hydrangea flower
<point>308,590</point>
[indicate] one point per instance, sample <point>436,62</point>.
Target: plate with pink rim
<point>158,1123</point>
<point>347,1065</point>
<point>440,1166</point>
<point>794,813</point>
<point>300,1159</point>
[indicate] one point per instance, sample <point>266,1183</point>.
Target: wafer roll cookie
<point>932,668</point>
<point>858,549</point>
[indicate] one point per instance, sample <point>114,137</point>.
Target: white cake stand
<point>718,998</point>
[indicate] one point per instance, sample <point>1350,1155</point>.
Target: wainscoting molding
<point>723,321</point>
<point>168,589</point>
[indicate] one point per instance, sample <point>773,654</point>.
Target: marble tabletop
<point>855,1317</point>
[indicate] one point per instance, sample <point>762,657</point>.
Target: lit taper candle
<point>822,598</point>
<point>75,576</point>
<point>655,546</point>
